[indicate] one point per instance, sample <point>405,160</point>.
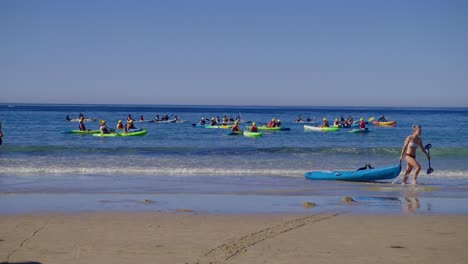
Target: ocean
<point>178,159</point>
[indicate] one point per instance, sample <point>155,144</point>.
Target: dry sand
<point>202,238</point>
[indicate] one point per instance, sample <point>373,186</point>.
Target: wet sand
<point>144,237</point>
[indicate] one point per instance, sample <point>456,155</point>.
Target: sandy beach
<point>144,237</point>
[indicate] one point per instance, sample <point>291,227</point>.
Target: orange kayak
<point>387,123</point>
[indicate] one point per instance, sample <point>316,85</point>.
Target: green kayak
<point>82,132</point>
<point>265,128</point>
<point>124,134</point>
<point>252,134</point>
<point>323,129</point>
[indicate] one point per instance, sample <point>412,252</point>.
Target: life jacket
<point>362,124</point>
<point>253,129</point>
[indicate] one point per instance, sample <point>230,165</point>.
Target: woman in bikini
<point>412,142</point>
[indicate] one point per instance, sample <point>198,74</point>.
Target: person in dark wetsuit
<point>81,124</point>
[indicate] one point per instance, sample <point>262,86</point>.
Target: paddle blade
<point>371,119</point>
<point>428,146</point>
<point>430,170</point>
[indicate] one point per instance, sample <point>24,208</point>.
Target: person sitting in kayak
<point>81,124</point>
<point>325,123</point>
<point>68,118</point>
<point>103,128</point>
<point>130,125</point>
<point>225,121</point>
<point>202,121</point>
<point>129,117</point>
<point>120,125</point>
<point>336,123</point>
<point>382,119</point>
<point>231,119</point>
<point>141,118</point>
<point>157,118</point>
<point>272,123</point>
<point>213,122</point>
<point>254,128</point>
<point>298,119</point>
<point>278,123</point>
<point>235,127</point>
<point>362,123</point>
<point>309,119</point>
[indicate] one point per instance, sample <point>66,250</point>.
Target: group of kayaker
<point>344,123</point>
<point>274,123</point>
<point>218,121</point>
<point>106,130</point>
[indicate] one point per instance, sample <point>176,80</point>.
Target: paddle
<point>371,119</point>
<point>429,170</point>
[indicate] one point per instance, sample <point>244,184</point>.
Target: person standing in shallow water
<point>410,146</point>
<point>1,133</point>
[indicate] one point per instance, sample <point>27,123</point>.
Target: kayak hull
<point>235,133</point>
<point>124,134</point>
<point>265,128</point>
<point>389,123</point>
<point>385,173</point>
<point>359,131</point>
<point>321,129</point>
<point>86,132</point>
<point>219,126</point>
<point>252,134</point>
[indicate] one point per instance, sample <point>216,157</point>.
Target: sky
<point>275,53</point>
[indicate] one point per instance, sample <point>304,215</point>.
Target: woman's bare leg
<point>414,164</point>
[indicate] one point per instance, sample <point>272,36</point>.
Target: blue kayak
<point>376,174</point>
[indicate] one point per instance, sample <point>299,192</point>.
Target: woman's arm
<point>421,145</point>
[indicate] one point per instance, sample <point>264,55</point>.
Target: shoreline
<point>146,237</point>
<point>423,202</point>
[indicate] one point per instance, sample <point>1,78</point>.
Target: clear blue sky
<point>310,53</point>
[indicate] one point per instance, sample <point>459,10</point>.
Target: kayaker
<point>157,117</point>
<point>272,123</point>
<point>202,121</point>
<point>218,120</point>
<point>278,123</point>
<point>298,119</point>
<point>129,117</point>
<point>68,118</point>
<point>141,118</point>
<point>336,123</point>
<point>382,119</point>
<point>309,119</point>
<point>254,128</point>
<point>235,127</point>
<point>408,151</point>
<point>231,119</point>
<point>225,121</point>
<point>130,125</point>
<point>120,125</point>
<point>213,121</point>
<point>103,128</point>
<point>362,123</point>
<point>325,123</point>
<point>176,118</point>
<point>81,124</point>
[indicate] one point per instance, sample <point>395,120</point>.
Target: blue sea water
<point>175,158</point>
